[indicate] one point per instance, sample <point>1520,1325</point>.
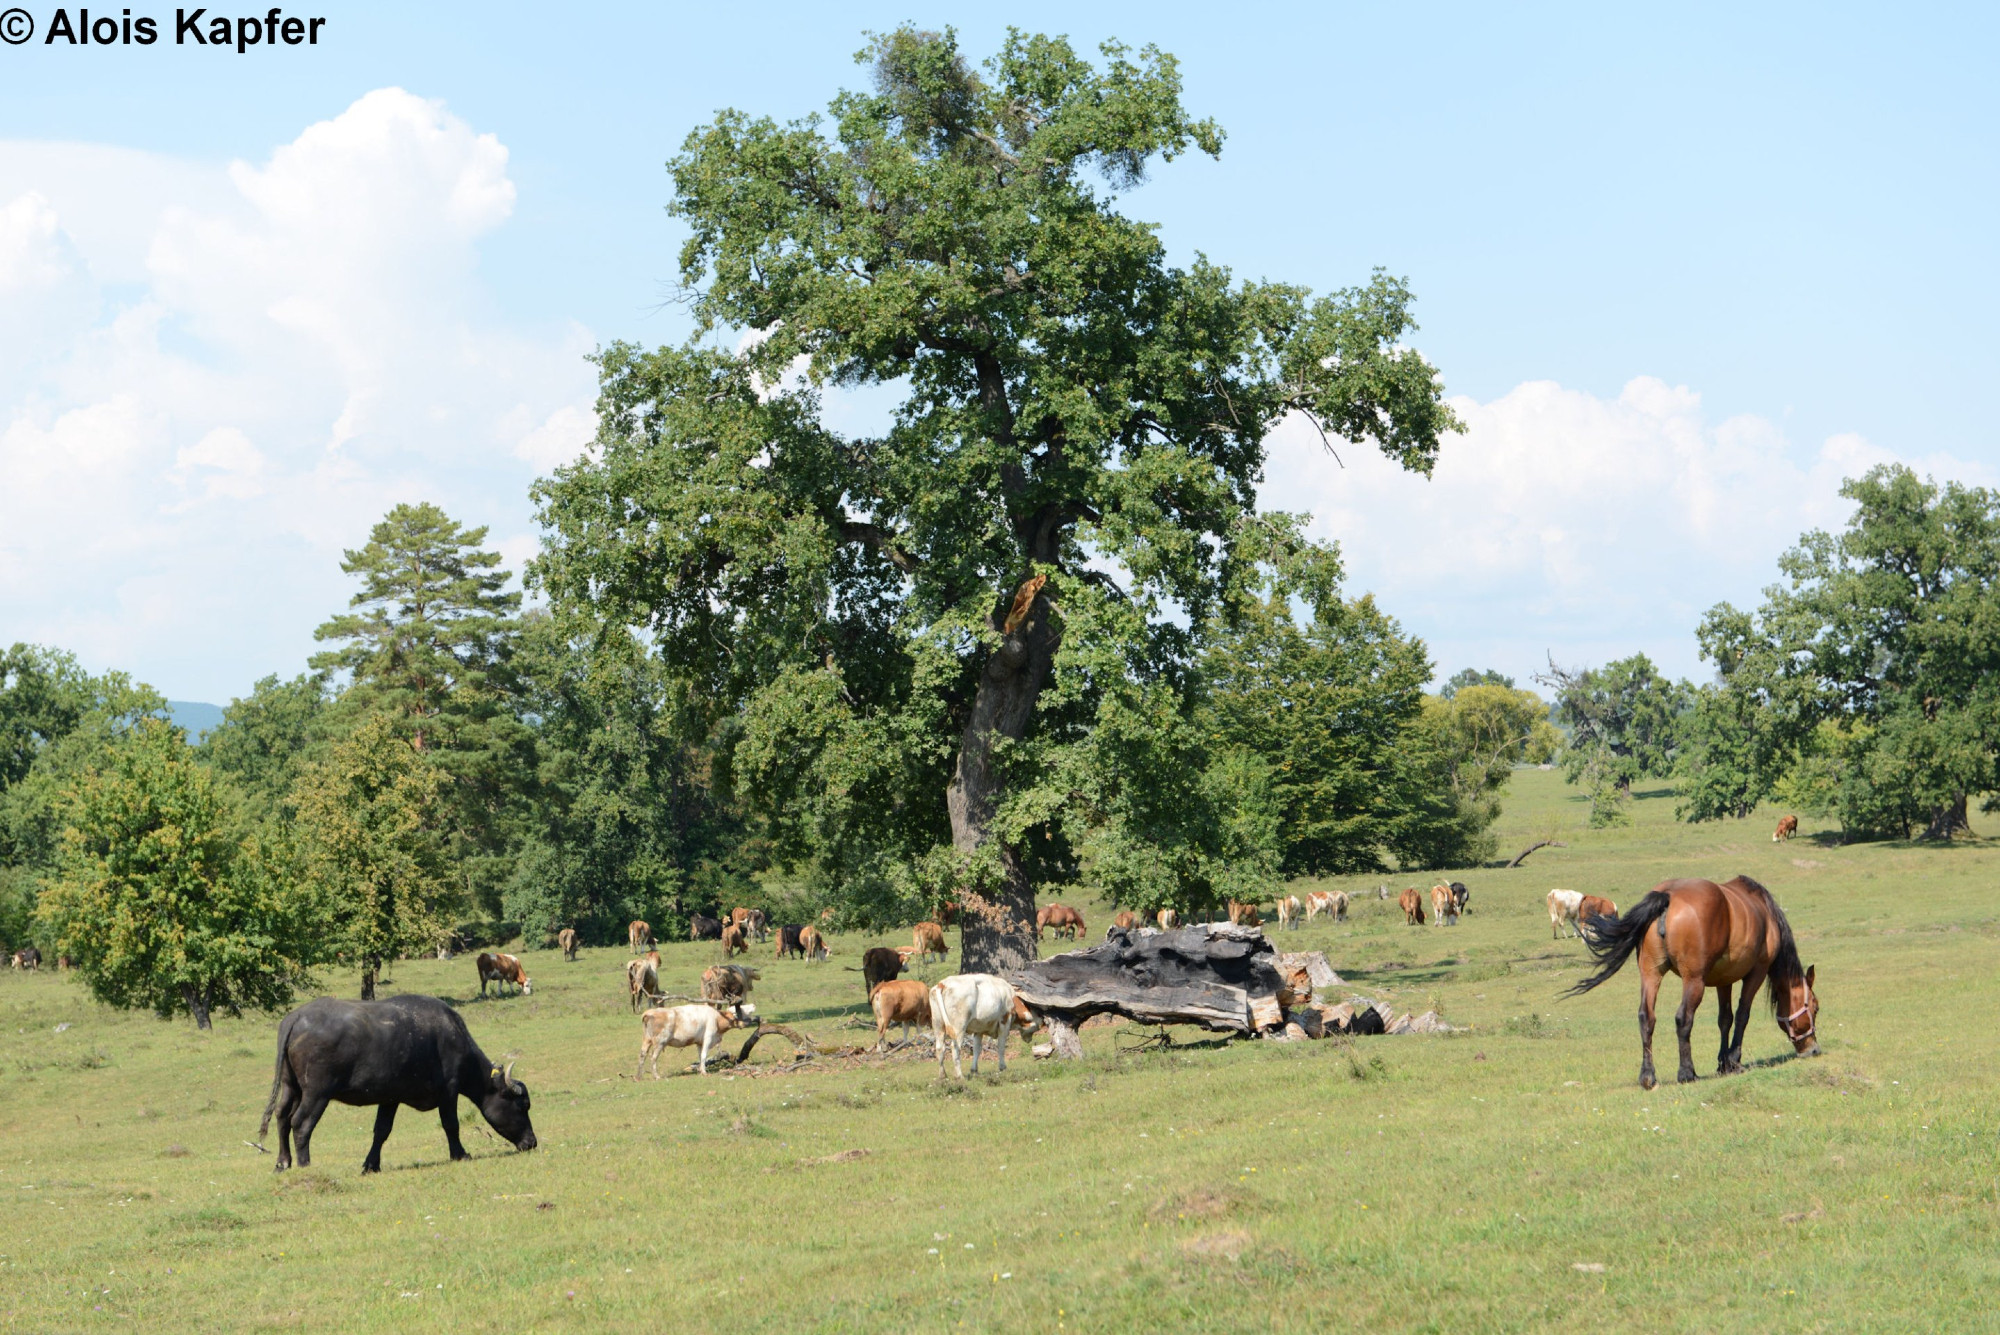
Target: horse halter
<point>1812,1025</point>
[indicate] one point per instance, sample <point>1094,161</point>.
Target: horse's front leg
<point>1725,1015</point>
<point>1691,990</point>
<point>1649,992</point>
<point>1750,986</point>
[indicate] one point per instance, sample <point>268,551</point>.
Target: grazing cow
<point>733,942</point>
<point>1289,910</point>
<point>789,942</point>
<point>1244,915</point>
<point>1564,906</point>
<point>1461,896</point>
<point>928,938</point>
<point>642,978</point>
<point>812,945</point>
<point>408,1049</point>
<point>680,1027</point>
<point>976,1006</point>
<point>1060,919</point>
<point>1168,920</point>
<point>1333,903</point>
<point>640,934</point>
<point>29,959</point>
<point>566,940</point>
<point>1125,918</point>
<point>947,913</point>
<point>903,1001</point>
<point>1413,907</point>
<point>1787,827</point>
<point>1594,906</point>
<point>500,970</point>
<point>701,927</point>
<point>879,965</point>
<point>826,917</point>
<point>752,921</point>
<point>729,983</point>
<point>1444,908</point>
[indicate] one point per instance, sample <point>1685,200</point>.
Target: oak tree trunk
<point>368,980</point>
<point>998,927</point>
<point>197,1004</point>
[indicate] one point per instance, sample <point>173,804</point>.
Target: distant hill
<point>194,716</point>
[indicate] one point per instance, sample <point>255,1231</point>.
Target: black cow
<point>29,958</point>
<point>408,1049</point>
<point>701,927</point>
<point>788,942</point>
<point>879,965</point>
<point>1459,895</point>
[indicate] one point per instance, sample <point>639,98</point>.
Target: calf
<point>812,945</point>
<point>928,938</point>
<point>1060,919</point>
<point>1168,920</point>
<point>976,1006</point>
<point>903,1001</point>
<point>880,964</point>
<point>1787,827</point>
<point>566,939</point>
<point>642,977</point>
<point>680,1027</point>
<point>701,927</point>
<point>1413,907</point>
<point>1444,908</point>
<point>1288,911</point>
<point>500,970</point>
<point>1564,905</point>
<point>1594,906</point>
<point>790,942</point>
<point>640,934</point>
<point>733,942</point>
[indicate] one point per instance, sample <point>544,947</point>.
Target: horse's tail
<point>1612,939</point>
<point>277,1078</point>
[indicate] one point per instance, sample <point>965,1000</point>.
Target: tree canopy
<point>927,623</point>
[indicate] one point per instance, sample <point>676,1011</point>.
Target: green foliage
<point>44,696</point>
<point>265,740</point>
<point>1071,403</point>
<point>1625,723</point>
<point>157,906</point>
<point>1473,677</point>
<point>371,845</point>
<point>96,712</point>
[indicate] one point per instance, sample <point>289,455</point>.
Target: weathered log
<point>1522,856</point>
<point>1213,975</point>
<point>801,1043</point>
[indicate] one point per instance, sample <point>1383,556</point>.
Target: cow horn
<point>507,1076</point>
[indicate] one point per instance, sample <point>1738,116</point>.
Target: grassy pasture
<point>1451,1183</point>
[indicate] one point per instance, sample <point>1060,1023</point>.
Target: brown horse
<point>1711,936</point>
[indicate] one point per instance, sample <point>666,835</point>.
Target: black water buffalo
<point>788,942</point>
<point>701,927</point>
<point>879,965</point>
<point>408,1049</point>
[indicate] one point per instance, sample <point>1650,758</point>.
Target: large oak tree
<point>917,627</point>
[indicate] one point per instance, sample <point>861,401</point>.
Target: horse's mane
<point>1786,968</point>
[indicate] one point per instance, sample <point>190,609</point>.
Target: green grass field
<point>1509,1177</point>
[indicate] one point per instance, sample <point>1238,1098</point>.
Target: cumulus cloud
<point>219,376</point>
<point>1566,523</point>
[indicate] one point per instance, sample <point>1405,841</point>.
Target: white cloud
<point>217,377</point>
<point>1567,523</point>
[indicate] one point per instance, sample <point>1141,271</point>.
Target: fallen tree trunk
<point>1212,975</point>
<point>1522,856</point>
<point>801,1043</point>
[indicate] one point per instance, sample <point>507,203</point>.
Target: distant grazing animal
<point>947,913</point>
<point>1331,902</point>
<point>928,938</point>
<point>1711,936</point>
<point>28,958</point>
<point>640,934</point>
<point>1787,827</point>
<point>663,1027</point>
<point>879,964</point>
<point>752,921</point>
<point>1061,920</point>
<point>566,940</point>
<point>789,942</point>
<point>812,945</point>
<point>976,1005</point>
<point>642,978</point>
<point>903,1001</point>
<point>1461,896</point>
<point>728,983</point>
<point>1125,918</point>
<point>733,942</point>
<point>701,927</point>
<point>500,970</point>
<point>1413,907</point>
<point>1564,905</point>
<point>1594,906</point>
<point>1289,911</point>
<point>1444,908</point>
<point>1244,915</point>
<point>407,1049</point>
<point>826,917</point>
<point>1168,920</point>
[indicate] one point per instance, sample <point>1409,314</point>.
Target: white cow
<point>683,1027</point>
<point>976,1005</point>
<point>1564,905</point>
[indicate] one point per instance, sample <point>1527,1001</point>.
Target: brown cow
<point>1168,920</point>
<point>753,922</point>
<point>566,939</point>
<point>928,938</point>
<point>733,942</point>
<point>1413,907</point>
<point>640,934</point>
<point>1244,915</point>
<point>728,982</point>
<point>1787,827</point>
<point>1593,906</point>
<point>903,1001</point>
<point>1125,918</point>
<point>642,978</point>
<point>1060,919</point>
<point>879,964</point>
<point>812,945</point>
<point>1444,906</point>
<point>500,970</point>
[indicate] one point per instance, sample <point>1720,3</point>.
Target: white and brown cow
<point>502,970</point>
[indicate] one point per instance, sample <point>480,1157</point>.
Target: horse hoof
<point>1647,1082</point>
<point>1687,1077</point>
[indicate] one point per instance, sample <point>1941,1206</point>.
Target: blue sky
<point>1686,268</point>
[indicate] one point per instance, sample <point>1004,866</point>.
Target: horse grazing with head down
<point>1710,936</point>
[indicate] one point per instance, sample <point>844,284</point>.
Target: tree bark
<point>368,980</point>
<point>1522,856</point>
<point>998,927</point>
<point>1948,820</point>
<point>197,1004</point>
<point>1212,975</point>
